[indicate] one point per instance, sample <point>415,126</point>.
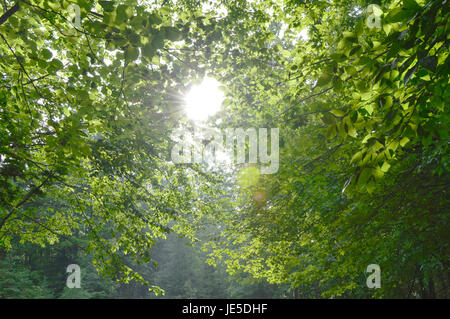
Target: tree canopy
<point>359,94</point>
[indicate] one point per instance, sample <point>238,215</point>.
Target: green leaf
<point>55,65</point>
<point>369,108</point>
<point>131,54</point>
<point>46,54</point>
<point>108,6</point>
<point>429,62</point>
<point>173,34</point>
<point>411,5</point>
<point>357,156</point>
<point>362,86</point>
<point>121,15</point>
<point>66,111</point>
<point>148,50</point>
<point>409,74</point>
<point>331,132</point>
<point>370,186</point>
<point>323,80</point>
<point>338,113</point>
<point>385,167</point>
<point>404,141</point>
<point>327,118</point>
<point>364,176</point>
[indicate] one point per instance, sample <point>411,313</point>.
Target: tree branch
<point>23,201</point>
<point>9,13</point>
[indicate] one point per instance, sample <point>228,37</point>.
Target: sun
<point>203,100</point>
